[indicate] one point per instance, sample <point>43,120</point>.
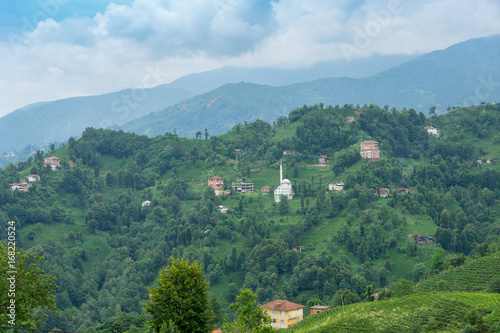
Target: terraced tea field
<point>476,275</point>
<point>427,312</point>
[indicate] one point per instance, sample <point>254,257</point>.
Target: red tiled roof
<point>281,304</point>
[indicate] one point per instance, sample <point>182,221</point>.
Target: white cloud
<point>111,51</point>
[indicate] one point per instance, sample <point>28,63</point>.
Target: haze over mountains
<point>465,73</point>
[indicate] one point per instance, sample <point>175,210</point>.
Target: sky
<point>53,49</point>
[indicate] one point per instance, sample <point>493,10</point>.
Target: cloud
<point>108,51</point>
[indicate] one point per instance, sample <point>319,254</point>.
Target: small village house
<point>22,186</point>
<point>318,308</point>
<point>146,203</point>
<point>383,192</point>
<point>432,130</point>
<point>222,209</point>
<point>33,178</point>
<point>53,162</point>
<point>403,191</point>
<point>288,152</point>
<point>336,187</point>
<point>420,238</point>
<point>323,159</point>
<point>284,313</point>
<point>265,190</point>
<point>349,119</point>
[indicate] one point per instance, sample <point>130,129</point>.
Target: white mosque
<point>284,189</point>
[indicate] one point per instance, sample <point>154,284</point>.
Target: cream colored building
<point>284,313</point>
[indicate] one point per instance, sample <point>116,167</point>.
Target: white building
<point>146,203</point>
<point>432,130</point>
<point>336,187</point>
<point>33,178</point>
<point>284,189</point>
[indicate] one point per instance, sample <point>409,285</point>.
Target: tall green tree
<point>25,291</point>
<point>250,318</point>
<point>181,296</point>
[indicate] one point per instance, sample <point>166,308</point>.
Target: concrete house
<point>243,187</point>
<point>265,190</point>
<point>284,313</point>
<point>336,187</point>
<point>383,192</point>
<point>53,162</point>
<point>403,190</point>
<point>33,178</point>
<point>432,130</point>
<point>370,150</point>
<point>318,308</point>
<point>323,159</point>
<point>217,183</point>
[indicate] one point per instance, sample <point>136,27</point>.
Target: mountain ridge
<point>443,78</point>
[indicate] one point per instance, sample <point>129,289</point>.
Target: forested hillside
<point>105,245</point>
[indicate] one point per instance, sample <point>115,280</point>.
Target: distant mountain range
<point>464,73</point>
<point>47,122</point>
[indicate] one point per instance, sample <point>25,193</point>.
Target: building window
<point>282,313</point>
<point>274,312</point>
<point>274,320</point>
<point>282,322</point>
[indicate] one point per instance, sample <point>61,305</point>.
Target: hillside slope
<point>429,312</point>
<point>92,222</point>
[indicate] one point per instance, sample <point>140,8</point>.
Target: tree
<point>345,296</point>
<point>181,295</point>
<point>402,287</point>
<point>432,111</point>
<point>441,285</point>
<point>283,207</point>
<point>368,295</point>
<point>232,291</point>
<point>249,316</point>
<point>92,225</point>
<point>313,302</point>
<point>29,288</point>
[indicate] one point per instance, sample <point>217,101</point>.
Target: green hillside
<point>428,312</point>
<point>105,247</point>
<point>476,275</point>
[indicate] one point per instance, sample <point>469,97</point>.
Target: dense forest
<point>105,247</point>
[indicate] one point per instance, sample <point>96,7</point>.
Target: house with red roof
<point>53,162</point>
<point>284,313</point>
